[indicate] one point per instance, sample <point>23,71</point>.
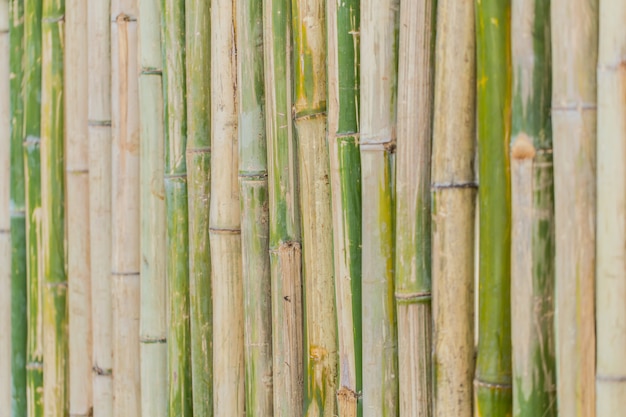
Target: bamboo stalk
<point>125,239</point>
<point>320,337</point>
<point>55,337</point>
<point>345,171</point>
<point>532,250</point>
<point>610,319</point>
<point>253,185</point>
<point>284,219</point>
<point>153,321</point>
<point>77,206</point>
<point>453,208</point>
<point>379,55</point>
<point>32,163</point>
<point>100,175</point>
<point>492,381</point>
<point>574,58</point>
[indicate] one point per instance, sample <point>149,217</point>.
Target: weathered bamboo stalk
<point>413,216</point>
<point>379,57</point>
<point>77,209</point>
<point>345,174</point>
<point>253,185</point>
<point>611,230</point>
<point>153,321</point>
<point>574,29</point>
<point>125,217</point>
<point>284,219</point>
<point>532,241</point>
<point>224,221</point>
<point>100,175</point>
<point>453,196</point>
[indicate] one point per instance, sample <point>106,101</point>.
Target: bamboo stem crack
<point>102,371</point>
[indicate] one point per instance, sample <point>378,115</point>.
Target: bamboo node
<point>522,147</point>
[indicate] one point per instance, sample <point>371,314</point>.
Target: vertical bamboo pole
<point>55,335</point>
<point>253,185</point>
<point>574,58</point>
<point>345,171</point>
<point>153,322</point>
<point>413,216</point>
<point>32,163</point>
<point>99,137</point>
<point>284,219</point>
<point>379,57</point>
<point>453,208</point>
<point>320,337</point>
<point>177,259</point>
<point>77,180</point>
<point>610,250</point>
<point>492,381</point>
<point>532,243</point>
<point>224,222</point>
<point>125,240</point>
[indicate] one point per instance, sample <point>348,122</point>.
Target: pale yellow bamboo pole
<point>224,221</point>
<point>611,226</point>
<point>99,131</point>
<point>125,219</point>
<point>77,206</point>
<point>574,60</point>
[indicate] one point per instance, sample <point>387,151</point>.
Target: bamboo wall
<point>312,208</point>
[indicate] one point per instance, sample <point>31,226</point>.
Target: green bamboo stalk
<point>413,217</point>
<point>55,337</point>
<point>32,162</point>
<point>453,209</point>
<point>320,332</point>
<point>493,392</point>
<point>610,320</point>
<point>284,221</point>
<point>153,326</point>
<point>198,66</point>
<point>379,57</point>
<point>253,185</point>
<point>574,89</point>
<point>532,250</point>
<point>345,171</point>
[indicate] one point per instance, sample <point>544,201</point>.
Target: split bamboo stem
<point>532,249</point>
<point>153,311</point>
<point>55,322</point>
<point>413,215</point>
<point>225,218</point>
<point>345,171</point>
<point>125,217</point>
<point>611,266</point>
<point>253,185</point>
<point>32,163</point>
<point>574,58</point>
<point>198,66</point>
<point>379,57</point>
<point>77,209</point>
<point>177,259</point>
<point>284,220</point>
<point>492,382</point>
<point>100,175</point>
<point>453,207</point>
<point>320,337</point>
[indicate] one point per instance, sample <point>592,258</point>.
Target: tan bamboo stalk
<point>611,228</point>
<point>379,27</point>
<point>77,206</point>
<point>453,205</point>
<point>125,255</point>
<point>99,137</point>
<point>153,332</point>
<point>574,59</point>
<point>224,218</point>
